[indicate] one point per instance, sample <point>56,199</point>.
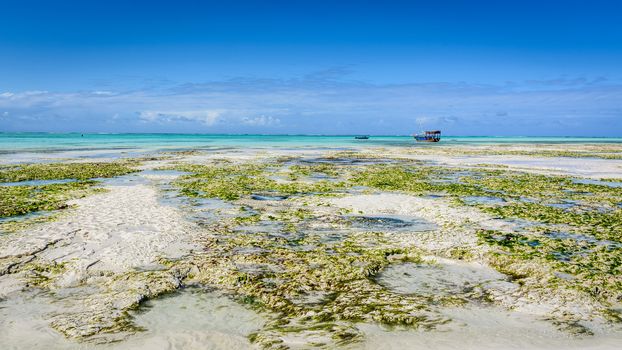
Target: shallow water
<point>484,327</point>
<point>472,200</point>
<point>124,180</point>
<point>190,319</point>
<point>598,182</point>
<point>32,215</point>
<point>267,197</point>
<point>391,223</point>
<point>444,277</point>
<point>195,319</point>
<point>128,142</point>
<point>200,319</point>
<point>563,205</point>
<point>580,237</point>
<point>163,173</point>
<point>37,182</point>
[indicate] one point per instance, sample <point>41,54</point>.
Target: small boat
<point>428,136</point>
<point>362,137</point>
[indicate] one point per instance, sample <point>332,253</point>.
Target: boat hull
<point>427,140</point>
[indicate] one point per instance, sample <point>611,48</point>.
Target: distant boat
<point>428,136</point>
<point>362,137</point>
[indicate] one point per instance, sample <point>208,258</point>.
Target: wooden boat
<point>362,137</point>
<point>428,136</point>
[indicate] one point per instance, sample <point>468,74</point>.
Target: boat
<point>428,136</point>
<point>362,137</point>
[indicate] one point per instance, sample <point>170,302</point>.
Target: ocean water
<point>53,142</point>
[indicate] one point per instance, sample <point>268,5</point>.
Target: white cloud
<point>34,93</point>
<point>324,104</point>
<point>261,121</point>
<point>103,93</point>
<point>205,117</point>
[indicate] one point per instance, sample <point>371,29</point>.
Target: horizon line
<point>306,135</point>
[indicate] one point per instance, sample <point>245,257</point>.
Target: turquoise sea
<point>57,142</point>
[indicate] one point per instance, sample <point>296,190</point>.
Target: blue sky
<point>347,67</point>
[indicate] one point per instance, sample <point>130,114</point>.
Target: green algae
<point>60,171</point>
<point>590,264</point>
<point>15,225</point>
<point>298,171</point>
<point>351,155</point>
<point>42,275</point>
<point>523,196</point>
<point>601,225</point>
<point>231,182</point>
<point>461,254</point>
<point>20,200</point>
<point>587,266</point>
<point>341,273</point>
<point>312,287</point>
<point>128,291</point>
<point>319,289</point>
<point>504,184</point>
<point>413,179</point>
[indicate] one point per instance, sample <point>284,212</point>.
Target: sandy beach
<point>472,247</point>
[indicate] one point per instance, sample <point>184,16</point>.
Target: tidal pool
<point>442,276</point>
<point>195,319</point>
<point>32,215</point>
<point>268,197</point>
<point>484,327</point>
<point>391,223</point>
<point>473,200</point>
<point>37,182</point>
<point>124,180</point>
<point>579,238</point>
<point>190,319</point>
<point>597,182</point>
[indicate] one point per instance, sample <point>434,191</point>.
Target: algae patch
<point>19,199</point>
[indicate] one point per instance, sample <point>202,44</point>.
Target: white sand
<point>116,231</point>
<point>102,245</point>
<point>581,167</point>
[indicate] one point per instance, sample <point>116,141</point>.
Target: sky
<point>541,68</point>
